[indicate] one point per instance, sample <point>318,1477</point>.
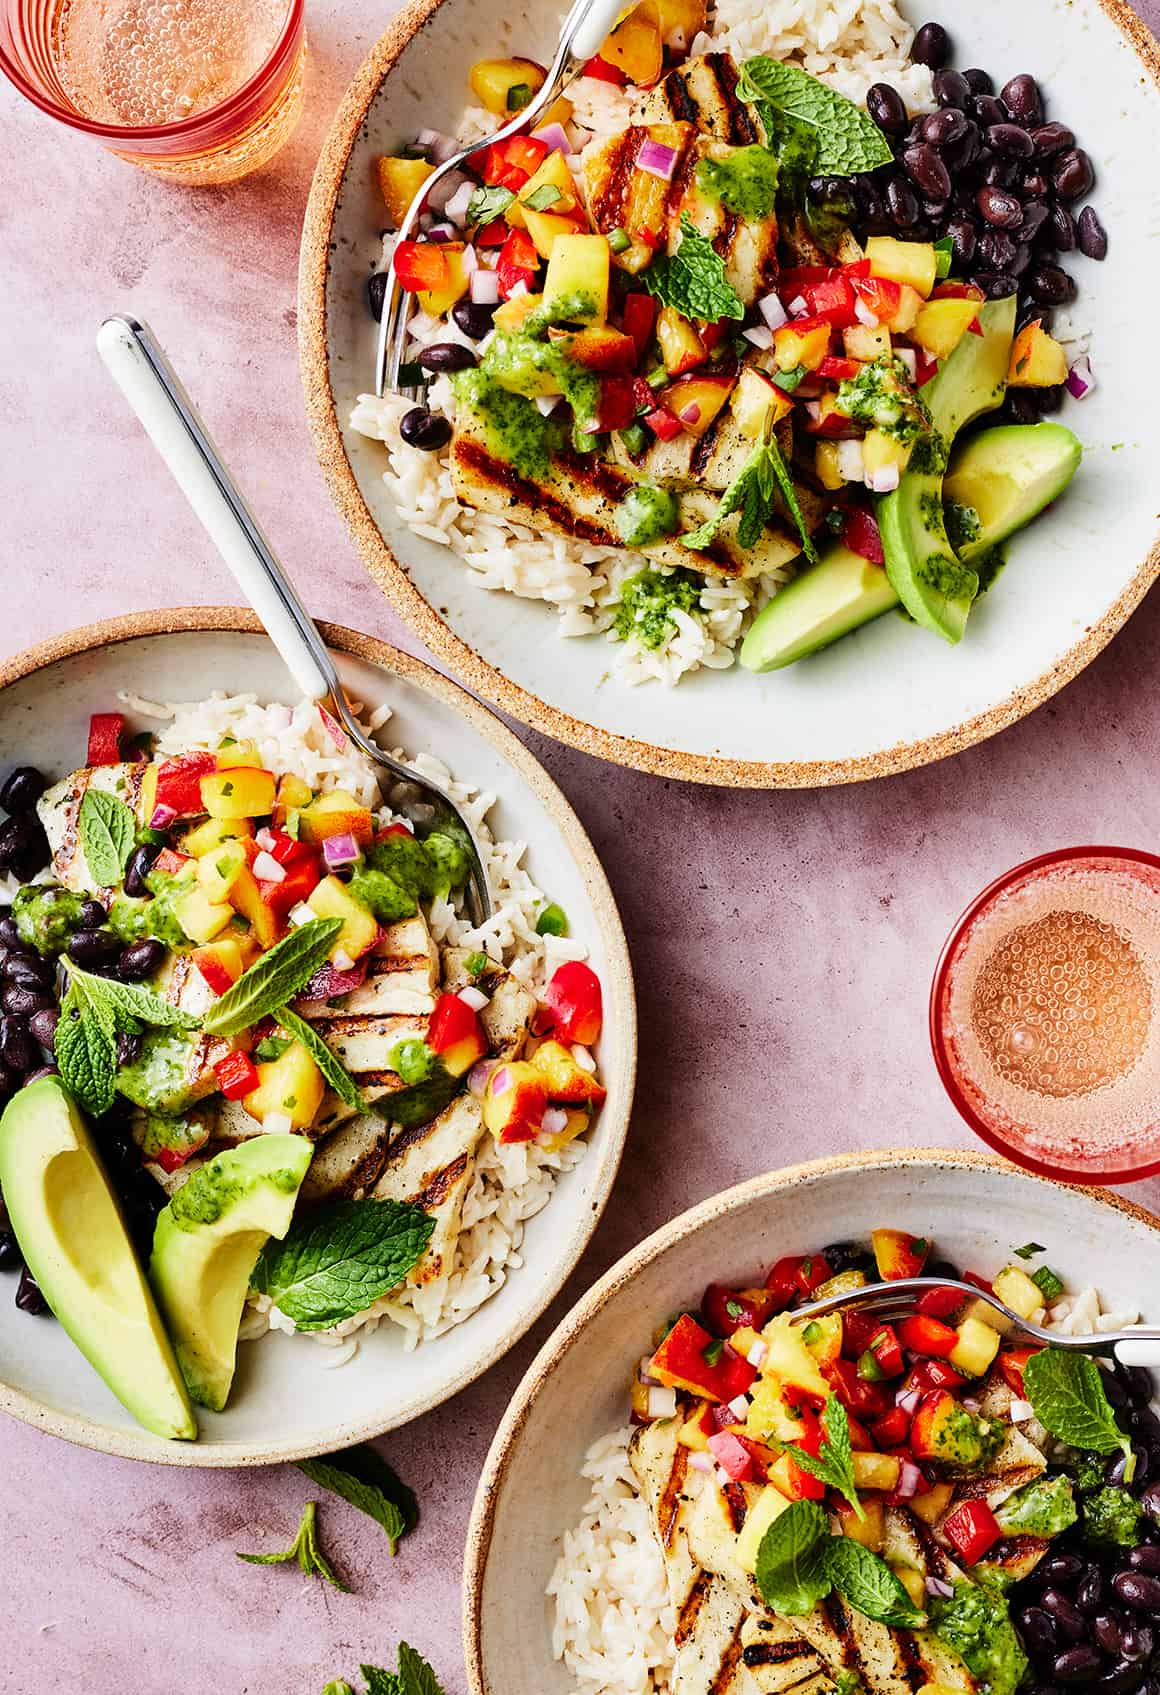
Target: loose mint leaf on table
<point>866,1582</point>
<point>791,1561</point>
<point>305,1549</point>
<point>692,280</point>
<point>847,140</point>
<point>416,1675</point>
<point>362,1477</point>
<point>274,979</point>
<point>1067,1392</point>
<point>331,1067</point>
<point>337,1261</point>
<point>107,831</point>
<point>834,1465</point>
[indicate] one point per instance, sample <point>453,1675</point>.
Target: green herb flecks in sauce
<point>647,601</point>
<point>647,514</point>
<point>975,1622</point>
<point>744,182</point>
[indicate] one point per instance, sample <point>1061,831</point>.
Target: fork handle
<point>154,391</point>
<point>1144,1352</point>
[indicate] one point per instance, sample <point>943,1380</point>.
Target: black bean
<point>43,1025</point>
<point>1050,139</point>
<point>1139,1641</point>
<point>427,430</point>
<point>931,46</point>
<point>128,1049</point>
<point>1011,140</point>
<point>138,867</point>
<point>1091,1591</point>
<point>94,949</point>
<point>28,1295</point>
<point>1138,1590</point>
<point>847,1256</point>
<point>1116,1467</point>
<point>1023,100</point>
<point>1039,1631</point>
<point>964,240</point>
<point>9,934</point>
<point>92,915</point>
<point>979,82</point>
<point>1021,406</point>
<point>22,789</point>
<point>29,971</point>
<point>140,960</point>
<point>11,1259</point>
<point>15,835</point>
<point>1145,1558</point>
<point>17,1048</point>
<point>902,202</point>
<point>886,106</point>
<point>924,167</point>
<point>1060,231</point>
<point>996,250</point>
<point>1093,237</point>
<point>1020,259</point>
<point>1050,285</point>
<point>999,208</point>
<point>966,150</point>
<point>1150,1502</point>
<point>1077,1665</point>
<point>447,356</point>
<point>1034,185</point>
<point>988,110</point>
<point>1035,215</point>
<point>1137,1380</point>
<point>1066,1614</point>
<point>999,172</point>
<point>943,128</point>
<point>377,293</point>
<point>475,319</point>
<point>1051,399</point>
<point>22,1003</point>
<point>951,89</point>
<point>1122,1679</point>
<point>32,854</point>
<point>1108,1632</point>
<point>1142,1421</point>
<point>1073,174</point>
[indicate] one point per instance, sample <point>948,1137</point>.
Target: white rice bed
<point>613,1620</point>
<point>848,43</point>
<point>511,1183</point>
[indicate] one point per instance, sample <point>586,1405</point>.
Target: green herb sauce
<point>1043,1508</point>
<point>647,514</point>
<point>947,577</point>
<point>647,602</point>
<point>745,182</point>
<point>45,918</point>
<point>1111,1519</point>
<point>975,1622</point>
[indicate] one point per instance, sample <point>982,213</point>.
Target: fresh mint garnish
<point>791,1566</point>
<point>107,830</point>
<point>338,1261</point>
<point>692,280</point>
<point>865,1582</point>
<point>487,204</point>
<point>94,1011</point>
<point>304,1549</point>
<point>331,1067</point>
<point>1066,1391</point>
<point>274,979</point>
<point>362,1477</point>
<point>847,141</point>
<point>834,1464</point>
<point>414,1677</point>
<point>753,491</point>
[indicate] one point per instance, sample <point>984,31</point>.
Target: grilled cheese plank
<point>347,1163</point>
<point>432,1166</point>
<point>402,976</point>
<point>701,92</point>
<point>59,811</point>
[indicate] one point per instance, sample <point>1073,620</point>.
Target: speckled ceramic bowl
<point>286,1403</point>
<point>890,697</point>
<point>975,1206</point>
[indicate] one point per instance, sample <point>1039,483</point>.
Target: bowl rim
<point>129,1444</point>
<point>315,257</point>
<point>570,1331</point>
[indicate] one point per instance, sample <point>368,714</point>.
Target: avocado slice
<point>836,595</point>
<point>71,1233</point>
<point>933,584</point>
<point>205,1246</point>
<point>1005,476</point>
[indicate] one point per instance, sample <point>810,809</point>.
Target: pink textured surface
<point>783,942</point>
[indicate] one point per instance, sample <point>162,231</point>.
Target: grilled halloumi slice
<point>348,1162</point>
<point>507,1017</point>
<point>432,1166</point>
<point>402,976</point>
<point>59,810</point>
<point>701,92</point>
<point>775,1655</point>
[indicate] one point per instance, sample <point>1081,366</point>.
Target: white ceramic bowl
<point>976,1207</point>
<point>892,696</point>
<point>286,1403</point>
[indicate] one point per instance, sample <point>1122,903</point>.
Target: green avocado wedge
<point>999,480</point>
<point>205,1245</point>
<point>932,582</point>
<point>73,1238</point>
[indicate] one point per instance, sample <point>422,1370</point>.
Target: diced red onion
<point>442,232</point>
<point>773,311</point>
<point>1081,378</point>
<point>501,1080</point>
<point>909,358</point>
<point>456,207</point>
<point>469,259</point>
<point>971,1404</point>
<point>739,1407</point>
<point>690,414</point>
<point>267,869</point>
<point>340,850</point>
<point>700,1462</point>
<point>484,288</point>
<point>657,159</point>
<point>798,307</point>
<point>1021,1411</point>
<point>333,979</point>
<point>644,1369</point>
<point>442,148</point>
<point>940,1587</point>
<point>583,1058</point>
<point>277,1124</point>
<point>884,479</point>
<point>477,1077</point>
<point>445,188</point>
<point>907,1399</point>
<point>554,137</point>
<point>757,1353</point>
<point>864,315</point>
<point>554,1121</point>
<point>722,1417</point>
<point>473,997</point>
<point>342,962</point>
<point>759,335</point>
<point>722,1477</point>
<point>909,1480</point>
<point>162,816</point>
<point>662,1402</point>
<point>546,404</point>
<point>814,410</point>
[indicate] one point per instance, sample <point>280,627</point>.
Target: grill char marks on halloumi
<point>59,811</point>
<point>402,975</point>
<point>432,1166</point>
<point>701,92</point>
<point>507,1017</point>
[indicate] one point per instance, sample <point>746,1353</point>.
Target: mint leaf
<point>834,1465</point>
<point>692,280</point>
<point>380,1682</point>
<point>338,1261</point>
<point>338,1687</point>
<point>107,829</point>
<point>274,979</point>
<point>331,1067</point>
<point>847,140</point>
<point>789,495</point>
<point>86,1048</point>
<point>362,1477</point>
<point>752,491</point>
<point>487,204</point>
<point>1066,1390</point>
<point>791,1561</point>
<point>304,1549</point>
<point>866,1583</point>
<point>415,1674</point>
<point>131,1000</point>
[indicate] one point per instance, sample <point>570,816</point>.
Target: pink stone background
<point>783,943</point>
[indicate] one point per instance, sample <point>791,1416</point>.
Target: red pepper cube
<point>892,1428</point>
<point>602,71</point>
<point>939,1303</point>
<point>832,301</point>
<point>923,1335</point>
<point>638,319</point>
<point>237,1075</point>
<point>662,423</point>
<point>179,783</point>
<point>297,885</point>
<point>1012,1363</point>
<point>887,1351</point>
<point>456,1035</point>
<point>864,1400</point>
<point>420,265</point>
<point>105,732</point>
<point>973,1530</point>
<point>574,998</point>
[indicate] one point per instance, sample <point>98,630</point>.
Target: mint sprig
<point>274,979</point>
<point>1066,1391</point>
<point>692,280</point>
<point>414,1676</point>
<point>834,1463</point>
<point>305,1549</point>
<point>338,1261</point>
<point>93,1013</point>
<point>847,140</point>
<point>362,1478</point>
<point>107,830</point>
<point>753,491</point>
<point>331,1067</point>
<point>800,1561</point>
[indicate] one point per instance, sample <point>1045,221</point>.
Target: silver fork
<point>154,391</point>
<point>1138,1345</point>
<point>581,36</point>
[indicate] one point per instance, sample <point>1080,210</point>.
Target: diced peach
<point>360,928</point>
<point>290,1086</point>
<point>635,46</point>
<point>515,1101</point>
<point>220,963</point>
<point>510,314</point>
<point>293,795</point>
<point>399,182</point>
<point>201,918</point>
<point>568,1083</point>
<point>601,348</point>
<point>942,324</point>
<point>898,1254</point>
<point>210,835</point>
<point>546,228</point>
<point>492,81</point>
<point>826,465</point>
<point>219,870</point>
<point>793,347</point>
<point>831,423</point>
<point>878,451</point>
<point>696,400</point>
<point>860,341</point>
<point>239,792</point>
<point>553,173</point>
<point>680,1363</point>
<point>246,899</point>
<point>681,347</point>
<point>439,301</point>
<point>1037,359</point>
<point>336,814</point>
<point>754,399</point>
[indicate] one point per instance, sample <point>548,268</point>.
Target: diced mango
<point>201,918</point>
<point>942,324</point>
<point>210,835</point>
<point>754,400</point>
<point>439,301</point>
<point>789,1358</point>
<point>931,1506</point>
<point>399,182</point>
<point>876,1471</point>
<point>870,1529</point>
<point>360,928</point>
<point>862,342</point>
<point>239,792</point>
<point>914,263</point>
<point>880,450</point>
<point>826,465</point>
<point>1016,1290</point>
<point>1037,359</point>
<point>515,1101</point>
<point>492,82</point>
<point>336,814</point>
<point>219,870</point>
<point>681,346</point>
<point>976,1347</point>
<point>578,272</point>
<point>246,898</point>
<point>290,1086</point>
<point>546,228</point>
<point>793,347</point>
<point>697,400</point>
<point>766,1510</point>
<point>635,45</point>
<point>914,1583</point>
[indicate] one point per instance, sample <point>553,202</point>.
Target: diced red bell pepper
<point>420,264</point>
<point>939,1303</point>
<point>832,301</point>
<point>857,1329</point>
<point>1011,1363</point>
<point>493,234</point>
<point>977,1282</point>
<point>286,850</point>
<point>839,370</point>
<point>604,72</point>
<point>650,238</point>
<point>393,830</point>
<point>169,863</point>
<point>212,970</point>
<point>733,1456</point>
<point>973,1530</point>
<point>864,1400</point>
<point>179,783</point>
<point>237,1075</point>
<point>105,732</point>
<point>574,998</point>
<point>456,1035</point>
<point>297,885</point>
<point>617,405</point>
<point>639,315</point>
<point>860,534</point>
<point>923,1335</point>
<point>526,152</point>
<point>492,162</point>
<point>935,1374</point>
<point>892,1428</point>
<point>925,369</point>
<point>663,424</point>
<point>797,1274</point>
<point>726,1310</point>
<point>518,263</point>
<point>887,1351</point>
